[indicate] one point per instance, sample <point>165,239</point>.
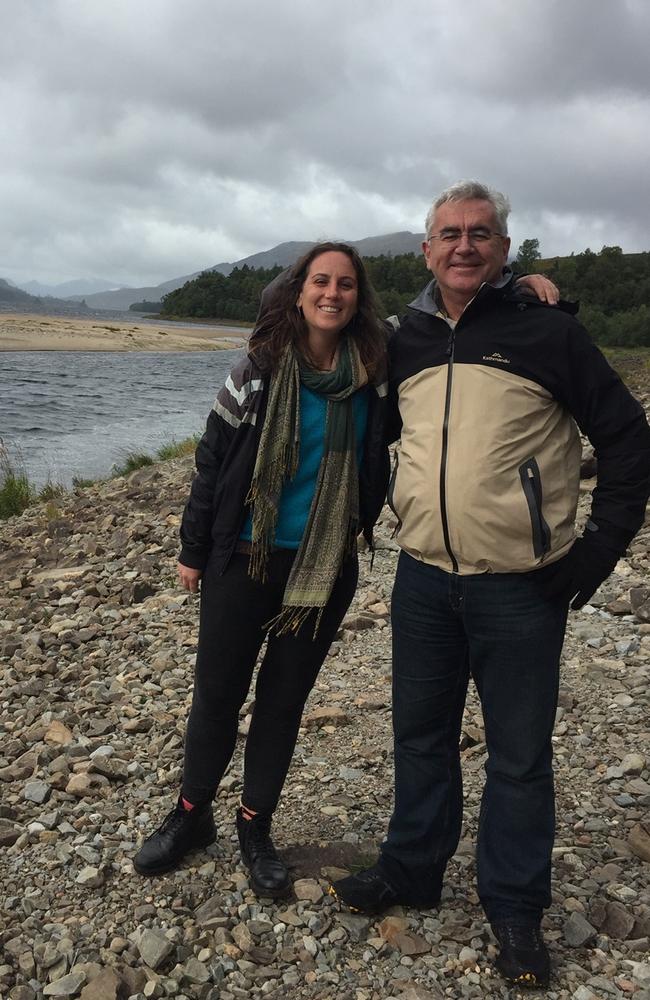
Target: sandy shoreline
<point>26,332</point>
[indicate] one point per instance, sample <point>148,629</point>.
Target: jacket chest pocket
<point>531,482</point>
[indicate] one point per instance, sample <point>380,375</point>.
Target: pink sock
<point>187,806</point>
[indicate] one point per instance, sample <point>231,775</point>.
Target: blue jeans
<point>500,630</point>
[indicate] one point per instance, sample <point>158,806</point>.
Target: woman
<point>291,468</point>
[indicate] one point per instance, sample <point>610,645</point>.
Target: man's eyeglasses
<point>451,237</point>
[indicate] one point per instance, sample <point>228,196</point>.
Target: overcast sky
<point>146,139</point>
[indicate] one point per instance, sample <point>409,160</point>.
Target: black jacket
<point>225,460</point>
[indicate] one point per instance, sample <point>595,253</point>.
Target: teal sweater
<point>298,493</point>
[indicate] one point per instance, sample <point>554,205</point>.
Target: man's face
<point>463,262</point>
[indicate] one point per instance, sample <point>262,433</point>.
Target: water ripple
<point>78,414</point>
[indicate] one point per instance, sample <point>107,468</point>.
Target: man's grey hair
<point>464,191</point>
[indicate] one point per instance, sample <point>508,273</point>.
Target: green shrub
<point>134,460</point>
<point>51,491</point>
<point>176,449</point>
<point>15,492</point>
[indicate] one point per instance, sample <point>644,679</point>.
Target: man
<point>490,386</point>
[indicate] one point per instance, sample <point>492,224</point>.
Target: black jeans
<point>499,629</point>
<point>234,610</point>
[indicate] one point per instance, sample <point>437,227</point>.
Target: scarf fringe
<point>259,560</point>
<point>290,619</point>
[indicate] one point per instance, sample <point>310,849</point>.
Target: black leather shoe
<point>268,875</point>
<point>524,958</point>
<point>370,891</point>
<point>181,831</point>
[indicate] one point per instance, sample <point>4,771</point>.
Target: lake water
<point>65,414</point>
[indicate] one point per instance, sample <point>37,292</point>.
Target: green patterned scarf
<point>333,521</point>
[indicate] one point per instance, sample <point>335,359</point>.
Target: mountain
<point>9,294</point>
<point>15,299</point>
<point>77,287</point>
<point>284,254</point>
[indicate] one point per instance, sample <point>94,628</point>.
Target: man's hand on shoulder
<point>540,286</point>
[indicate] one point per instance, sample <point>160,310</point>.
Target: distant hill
<point>284,254</point>
<point>80,287</point>
<point>9,294</point>
<point>15,299</point>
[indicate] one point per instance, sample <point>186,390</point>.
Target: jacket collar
<point>427,301</point>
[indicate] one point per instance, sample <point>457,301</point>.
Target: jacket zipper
<point>443,458</point>
<point>531,482</point>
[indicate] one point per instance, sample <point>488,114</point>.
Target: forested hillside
<point>237,296</point>
<point>613,289</point>
<point>216,296</point>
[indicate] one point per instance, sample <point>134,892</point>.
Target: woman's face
<point>328,297</point>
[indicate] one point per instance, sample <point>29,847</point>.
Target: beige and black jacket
<point>488,411</point>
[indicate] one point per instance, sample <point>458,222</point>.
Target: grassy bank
<point>17,493</point>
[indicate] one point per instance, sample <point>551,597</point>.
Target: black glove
<point>578,575</point>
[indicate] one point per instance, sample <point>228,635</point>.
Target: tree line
<point>613,289</point>
<point>237,296</point>
<point>218,296</point>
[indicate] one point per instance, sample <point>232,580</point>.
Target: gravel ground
<point>96,654</point>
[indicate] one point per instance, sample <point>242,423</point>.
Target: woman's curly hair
<point>281,322</point>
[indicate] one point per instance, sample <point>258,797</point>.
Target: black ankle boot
<point>182,830</point>
<point>268,875</point>
<point>524,957</point>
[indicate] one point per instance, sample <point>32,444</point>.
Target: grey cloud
<point>536,54</point>
<point>152,139</point>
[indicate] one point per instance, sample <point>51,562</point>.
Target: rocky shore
<point>96,654</point>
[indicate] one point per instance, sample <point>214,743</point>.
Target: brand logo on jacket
<point>495,356</point>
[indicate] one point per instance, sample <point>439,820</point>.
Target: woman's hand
<point>542,287</point>
<point>189,578</point>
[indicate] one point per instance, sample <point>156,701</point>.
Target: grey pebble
<point>67,986</point>
<point>578,931</point>
<point>37,791</point>
<point>153,947</point>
